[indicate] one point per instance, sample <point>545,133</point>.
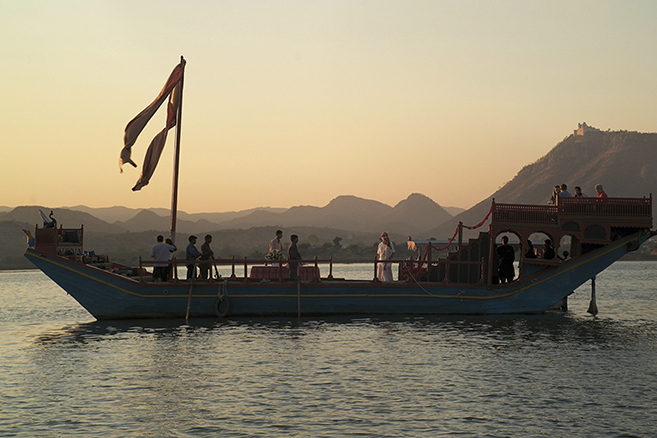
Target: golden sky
<point>296,102</point>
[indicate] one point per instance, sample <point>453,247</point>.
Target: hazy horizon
<point>294,102</point>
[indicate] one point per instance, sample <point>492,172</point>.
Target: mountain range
<point>415,214</point>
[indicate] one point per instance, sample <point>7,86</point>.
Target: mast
<point>176,163</point>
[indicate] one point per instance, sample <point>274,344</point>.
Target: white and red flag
<point>172,90</point>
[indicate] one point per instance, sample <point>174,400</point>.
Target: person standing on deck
<point>169,268</point>
<point>192,254</point>
<point>160,253</point>
<point>276,244</point>
<point>293,254</point>
<point>507,257</point>
<point>206,254</point>
<point>564,193</point>
<point>385,251</point>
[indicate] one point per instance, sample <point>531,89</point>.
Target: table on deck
<point>307,273</point>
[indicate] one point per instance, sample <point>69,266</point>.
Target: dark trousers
<point>191,271</point>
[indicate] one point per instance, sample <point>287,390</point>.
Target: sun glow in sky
<point>296,102</point>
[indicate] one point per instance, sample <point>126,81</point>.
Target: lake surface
<point>559,374</point>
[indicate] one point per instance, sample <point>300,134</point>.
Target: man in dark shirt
<point>507,257</point>
<point>293,254</point>
<point>206,254</point>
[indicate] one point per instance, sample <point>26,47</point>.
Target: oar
<point>189,300</point>
<point>299,298</point>
<point>593,307</point>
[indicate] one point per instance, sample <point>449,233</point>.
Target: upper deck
<point>619,212</point>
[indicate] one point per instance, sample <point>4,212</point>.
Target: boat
<point>461,281</point>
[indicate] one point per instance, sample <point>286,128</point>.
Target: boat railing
<point>253,269</point>
<point>626,208</point>
<point>437,271</point>
<point>632,210</point>
<point>525,214</point>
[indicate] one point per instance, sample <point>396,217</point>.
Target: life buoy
<point>223,306</point>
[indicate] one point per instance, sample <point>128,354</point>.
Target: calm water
<point>561,374</point>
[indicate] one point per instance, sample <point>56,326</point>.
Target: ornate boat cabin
<point>585,224</point>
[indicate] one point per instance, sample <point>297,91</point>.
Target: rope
<point>482,222</point>
<point>410,274</point>
<point>456,232</point>
<point>223,290</point>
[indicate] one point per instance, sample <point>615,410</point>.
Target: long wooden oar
<point>189,300</point>
<point>298,298</point>
<point>593,307</point>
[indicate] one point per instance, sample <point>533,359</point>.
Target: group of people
<point>162,253</point>
<point>562,192</point>
<point>506,256</point>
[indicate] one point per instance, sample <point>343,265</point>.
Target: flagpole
<point>176,163</point>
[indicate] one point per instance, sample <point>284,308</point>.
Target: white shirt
<point>160,252</point>
<point>276,244</point>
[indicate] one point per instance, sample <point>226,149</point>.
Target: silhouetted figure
<point>507,257</point>
<point>293,254</point>
<point>548,250</point>
<point>531,251</point>
<point>206,254</point>
<point>161,252</point>
<point>191,254</point>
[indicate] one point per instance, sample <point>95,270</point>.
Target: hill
<point>64,216</point>
<point>624,162</point>
<point>123,214</point>
<point>416,213</point>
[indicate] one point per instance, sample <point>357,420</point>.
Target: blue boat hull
<point>110,296</point>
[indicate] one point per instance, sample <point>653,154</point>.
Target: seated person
<point>548,251</point>
<point>531,251</point>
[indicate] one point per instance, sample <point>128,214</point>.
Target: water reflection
<point>556,328</point>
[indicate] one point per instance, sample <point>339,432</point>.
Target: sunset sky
<point>296,102</point>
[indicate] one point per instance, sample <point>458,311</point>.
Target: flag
<point>172,90</point>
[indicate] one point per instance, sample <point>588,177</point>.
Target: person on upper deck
<point>578,193</point>
<point>293,254</point>
<point>206,254</point>
<point>564,193</point>
<point>555,195</point>
<point>191,254</point>
<point>507,257</point>
<point>385,251</point>
<point>548,251</point>
<point>600,191</point>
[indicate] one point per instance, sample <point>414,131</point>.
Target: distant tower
<point>583,128</point>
